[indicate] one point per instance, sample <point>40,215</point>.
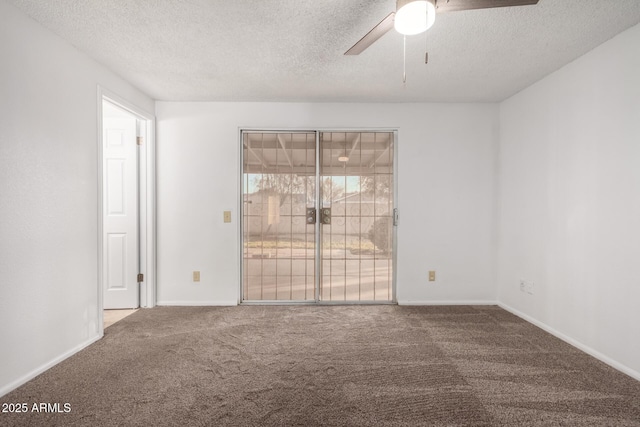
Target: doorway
<point>318,216</point>
<point>126,237</point>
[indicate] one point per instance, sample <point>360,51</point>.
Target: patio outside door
<point>318,216</point>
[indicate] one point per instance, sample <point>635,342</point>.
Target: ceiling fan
<point>417,16</point>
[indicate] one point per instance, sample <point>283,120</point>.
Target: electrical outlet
<point>196,276</point>
<point>432,276</point>
<point>227,216</point>
<point>522,285</point>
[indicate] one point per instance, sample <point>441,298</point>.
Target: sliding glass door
<point>356,175</point>
<point>279,244</point>
<point>318,216</point>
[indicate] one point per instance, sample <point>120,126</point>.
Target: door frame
<point>146,202</point>
<point>317,131</point>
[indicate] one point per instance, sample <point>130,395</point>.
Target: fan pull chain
<point>426,40</point>
<point>404,61</point>
<point>426,55</point>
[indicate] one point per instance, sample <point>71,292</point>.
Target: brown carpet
<point>329,365</point>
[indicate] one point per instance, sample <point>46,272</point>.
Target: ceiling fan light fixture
<point>414,16</point>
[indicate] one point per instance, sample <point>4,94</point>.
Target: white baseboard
<point>197,303</point>
<point>590,351</point>
<point>457,302</point>
<point>34,373</point>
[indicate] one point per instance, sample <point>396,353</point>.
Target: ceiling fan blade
<point>378,31</point>
<point>456,5</point>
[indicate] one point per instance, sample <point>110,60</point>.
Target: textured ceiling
<point>292,50</point>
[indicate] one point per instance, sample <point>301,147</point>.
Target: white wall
<point>570,201</point>
<point>567,197</point>
<point>446,199</point>
<point>48,195</point>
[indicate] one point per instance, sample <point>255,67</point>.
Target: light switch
<point>196,276</point>
<point>227,216</point>
<point>432,276</point>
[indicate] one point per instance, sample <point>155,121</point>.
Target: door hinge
<point>140,277</point>
<point>139,140</point>
<point>395,216</point>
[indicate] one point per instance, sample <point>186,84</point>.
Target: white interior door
<point>120,208</point>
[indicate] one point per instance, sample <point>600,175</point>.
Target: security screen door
<point>318,216</point>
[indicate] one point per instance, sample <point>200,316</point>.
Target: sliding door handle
<point>311,215</point>
<point>325,216</point>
